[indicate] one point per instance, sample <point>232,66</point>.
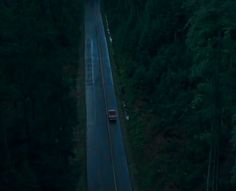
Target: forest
<point>39,68</point>
<point>176,67</point>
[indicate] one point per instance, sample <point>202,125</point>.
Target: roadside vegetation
<point>177,71</point>
<point>39,123</point>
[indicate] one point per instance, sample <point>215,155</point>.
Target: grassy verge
<point>78,161</point>
<point>81,108</point>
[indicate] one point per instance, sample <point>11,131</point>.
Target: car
<point>112,115</point>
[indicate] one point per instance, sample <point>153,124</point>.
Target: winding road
<point>107,168</point>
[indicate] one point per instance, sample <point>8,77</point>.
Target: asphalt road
<point>107,168</point>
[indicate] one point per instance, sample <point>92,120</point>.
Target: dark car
<point>112,115</point>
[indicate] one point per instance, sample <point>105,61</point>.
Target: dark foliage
<point>38,66</point>
<point>176,61</point>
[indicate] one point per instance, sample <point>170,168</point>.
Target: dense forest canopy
<point>176,65</point>
<point>39,47</point>
<point>175,61</point>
